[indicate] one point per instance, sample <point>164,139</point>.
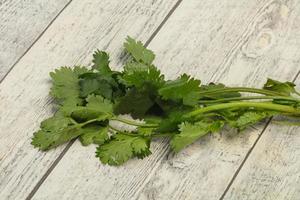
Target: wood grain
<point>263,44</point>
<point>21,23</point>
<point>24,102</point>
<point>235,42</point>
<point>272,171</point>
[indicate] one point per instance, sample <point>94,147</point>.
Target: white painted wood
<point>261,44</point>
<point>273,169</point>
<point>236,42</point>
<point>83,27</point>
<point>21,23</point>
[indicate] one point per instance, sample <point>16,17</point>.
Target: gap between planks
<point>65,150</point>
<point>250,151</point>
<point>33,43</point>
<point>225,184</point>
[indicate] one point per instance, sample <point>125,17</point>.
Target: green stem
<point>113,128</point>
<point>286,123</point>
<point>134,123</point>
<point>136,134</point>
<point>73,121</point>
<point>121,132</point>
<point>263,105</point>
<point>206,115</point>
<point>87,122</point>
<point>249,98</point>
<point>241,89</point>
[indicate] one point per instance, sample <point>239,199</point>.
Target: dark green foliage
<point>89,99</point>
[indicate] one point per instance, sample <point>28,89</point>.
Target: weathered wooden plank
<point>21,23</point>
<point>236,42</point>
<point>272,171</point>
<point>267,47</point>
<point>83,27</point>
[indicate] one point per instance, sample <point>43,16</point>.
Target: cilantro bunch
<point>90,99</point>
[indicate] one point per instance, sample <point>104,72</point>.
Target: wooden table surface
<point>236,42</point>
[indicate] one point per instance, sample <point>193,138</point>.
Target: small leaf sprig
<point>184,110</point>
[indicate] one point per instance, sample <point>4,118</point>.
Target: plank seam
<point>250,151</point>
<point>163,22</point>
<point>65,150</point>
<point>35,41</point>
<point>44,177</point>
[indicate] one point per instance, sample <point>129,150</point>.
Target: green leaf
<point>56,122</point>
<point>96,107</point>
<point>135,102</point>
<point>83,114</point>
<point>106,85</point>
<point>189,133</point>
<point>141,76</point>
<point>140,98</point>
<point>88,86</point>
<point>137,50</point>
<point>97,84</point>
<point>65,85</point>
<point>153,119</point>
<point>173,119</point>
<point>94,134</point>
<point>122,148</point>
<point>141,147</point>
<point>185,89</point>
<point>250,118</point>
<point>284,88</point>
<point>59,129</point>
<point>231,115</point>
<point>101,62</point>
<point>145,131</point>
<point>55,131</point>
<point>98,102</point>
<point>93,86</point>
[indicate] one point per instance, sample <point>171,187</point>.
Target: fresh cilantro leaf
<point>231,115</point>
<point>189,133</point>
<point>138,51</point>
<point>89,86</point>
<point>184,88</point>
<point>141,75</point>
<point>284,88</point>
<point>59,129</point>
<point>250,118</point>
<point>98,102</point>
<point>96,107</point>
<point>173,119</point>
<point>93,86</point>
<point>94,134</point>
<point>83,114</point>
<point>100,85</point>
<point>101,62</point>
<point>145,131</point>
<point>152,119</point>
<point>55,131</point>
<point>135,102</point>
<point>141,147</point>
<point>65,85</point>
<point>122,148</point>
<point>56,122</point>
<point>106,85</point>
